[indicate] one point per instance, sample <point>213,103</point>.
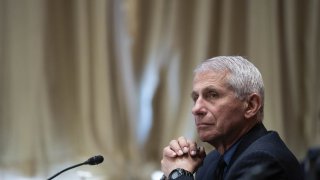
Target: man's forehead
<point>210,76</point>
<point>209,81</point>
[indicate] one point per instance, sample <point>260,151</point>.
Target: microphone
<point>91,161</point>
<point>94,160</point>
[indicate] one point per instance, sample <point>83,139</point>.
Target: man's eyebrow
<point>206,89</point>
<point>209,88</point>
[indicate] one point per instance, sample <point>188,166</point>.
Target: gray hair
<point>244,78</point>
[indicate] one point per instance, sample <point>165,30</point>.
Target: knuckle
<point>172,142</point>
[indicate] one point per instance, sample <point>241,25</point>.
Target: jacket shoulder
<point>266,158</point>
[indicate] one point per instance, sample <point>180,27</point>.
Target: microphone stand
<point>92,161</point>
<point>80,164</point>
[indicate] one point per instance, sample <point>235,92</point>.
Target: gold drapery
<point>113,77</point>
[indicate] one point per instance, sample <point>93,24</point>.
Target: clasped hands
<point>182,153</point>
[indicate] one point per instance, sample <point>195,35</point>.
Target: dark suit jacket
<point>261,155</point>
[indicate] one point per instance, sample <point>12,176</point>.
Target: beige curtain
<point>113,77</point>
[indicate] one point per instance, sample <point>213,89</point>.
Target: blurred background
<point>113,77</point>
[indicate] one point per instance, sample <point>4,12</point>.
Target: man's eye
<point>212,94</point>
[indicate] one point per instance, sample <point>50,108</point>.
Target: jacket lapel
<point>255,133</point>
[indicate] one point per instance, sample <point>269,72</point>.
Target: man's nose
<point>199,108</point>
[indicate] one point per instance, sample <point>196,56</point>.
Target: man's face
<point>219,114</point>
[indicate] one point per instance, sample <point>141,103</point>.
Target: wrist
<point>176,173</point>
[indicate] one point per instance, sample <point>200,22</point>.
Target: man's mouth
<point>203,125</point>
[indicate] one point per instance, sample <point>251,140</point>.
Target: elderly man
<point>228,95</point>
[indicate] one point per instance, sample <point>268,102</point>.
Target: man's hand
<point>182,153</point>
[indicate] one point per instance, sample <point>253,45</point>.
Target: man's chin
<point>209,138</point>
<point>205,138</point>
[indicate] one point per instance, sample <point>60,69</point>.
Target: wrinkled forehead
<point>211,75</point>
<point>210,78</point>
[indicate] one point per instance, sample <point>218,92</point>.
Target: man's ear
<point>253,105</point>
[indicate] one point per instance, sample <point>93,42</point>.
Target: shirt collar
<point>229,153</point>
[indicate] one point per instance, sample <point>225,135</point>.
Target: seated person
<point>228,95</point>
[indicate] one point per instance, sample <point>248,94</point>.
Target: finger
<point>183,142</point>
<point>175,146</point>
<point>168,152</point>
<point>193,148</point>
<point>201,152</point>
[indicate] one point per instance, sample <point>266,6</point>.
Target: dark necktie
<point>220,169</point>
